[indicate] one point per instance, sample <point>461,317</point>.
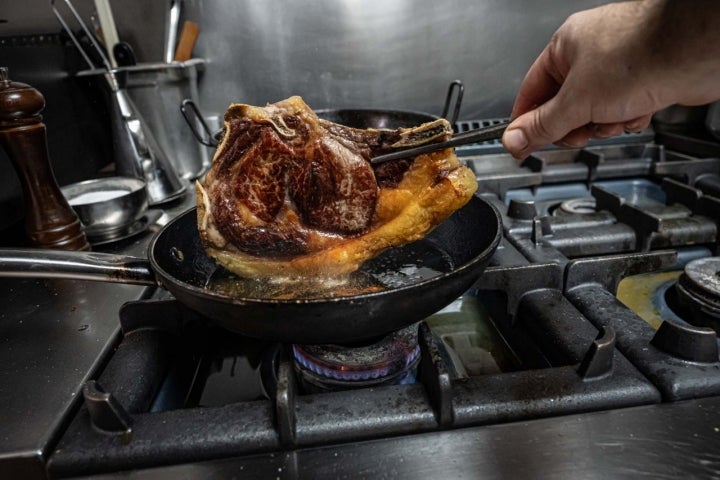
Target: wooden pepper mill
<point>49,220</point>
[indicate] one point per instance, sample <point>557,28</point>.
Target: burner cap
<point>698,291</point>
<point>701,279</point>
<point>583,205</point>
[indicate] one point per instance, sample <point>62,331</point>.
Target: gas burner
<point>389,360</point>
<point>576,206</point>
<point>698,292</point>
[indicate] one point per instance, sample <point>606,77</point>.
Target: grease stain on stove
<point>640,294</point>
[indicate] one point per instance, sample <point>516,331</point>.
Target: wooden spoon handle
<point>188,37</point>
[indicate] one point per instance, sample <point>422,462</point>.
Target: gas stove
<point>589,341</point>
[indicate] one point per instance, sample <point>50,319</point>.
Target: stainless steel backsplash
<point>341,53</point>
<point>372,53</point>
<point>395,54</point>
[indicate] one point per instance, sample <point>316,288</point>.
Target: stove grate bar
<point>676,378</point>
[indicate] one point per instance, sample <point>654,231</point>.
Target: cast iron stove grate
<point>551,299</point>
<point>569,367</point>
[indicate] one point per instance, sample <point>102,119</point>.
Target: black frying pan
<point>373,118</point>
<point>350,117</point>
<point>356,118</point>
<point>458,250</point>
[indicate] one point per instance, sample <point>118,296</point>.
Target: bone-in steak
<point>289,194</point>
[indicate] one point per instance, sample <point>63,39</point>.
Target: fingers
<point>541,83</point>
<point>520,144</point>
<point>534,126</point>
<point>556,104</point>
<point>578,137</point>
<point>548,123</point>
<point>607,130</point>
<point>638,124</point>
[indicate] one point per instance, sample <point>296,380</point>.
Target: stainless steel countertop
<point>54,335</point>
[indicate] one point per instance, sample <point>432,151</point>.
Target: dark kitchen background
<point>374,54</point>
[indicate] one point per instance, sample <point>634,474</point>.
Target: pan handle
<point>101,267</point>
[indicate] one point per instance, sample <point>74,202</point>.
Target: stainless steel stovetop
<point>571,357</point>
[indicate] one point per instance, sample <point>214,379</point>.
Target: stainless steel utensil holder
<point>136,151</point>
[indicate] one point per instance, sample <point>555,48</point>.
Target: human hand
<point>607,70</point>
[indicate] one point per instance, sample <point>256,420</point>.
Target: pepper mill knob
<point>49,219</point>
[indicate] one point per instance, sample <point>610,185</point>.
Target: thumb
<point>541,126</point>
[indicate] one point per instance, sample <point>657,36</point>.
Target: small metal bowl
<point>107,204</point>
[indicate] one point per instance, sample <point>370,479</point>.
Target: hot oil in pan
<point>411,264</point>
<point>397,267</point>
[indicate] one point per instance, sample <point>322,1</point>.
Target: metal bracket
<point>678,192</point>
<point>608,271</point>
<point>591,160</point>
<point>696,344</point>
<point>435,377</point>
<point>709,206</point>
<point>598,361</point>
<point>106,413</point>
<point>516,281</point>
<point>166,315</point>
<point>541,229</point>
<point>689,170</point>
<point>285,401</point>
<point>607,200</point>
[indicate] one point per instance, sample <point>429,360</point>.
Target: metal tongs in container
<point>136,151</point>
<point>483,134</point>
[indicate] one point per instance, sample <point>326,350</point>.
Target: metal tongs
<point>483,134</point>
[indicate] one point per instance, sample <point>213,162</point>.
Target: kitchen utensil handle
<point>171,29</point>
<point>107,24</point>
<point>188,37</point>
<point>100,51</point>
<point>101,267</point>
